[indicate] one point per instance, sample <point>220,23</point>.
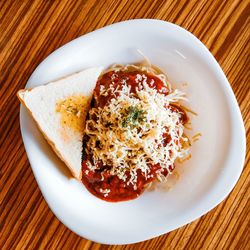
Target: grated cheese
<point>128,149</point>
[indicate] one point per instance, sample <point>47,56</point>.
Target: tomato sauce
<point>99,182</point>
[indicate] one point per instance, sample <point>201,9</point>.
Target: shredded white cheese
<point>128,148</point>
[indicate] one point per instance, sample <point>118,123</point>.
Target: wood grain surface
<point>30,30</point>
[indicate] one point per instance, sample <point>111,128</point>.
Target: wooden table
<point>30,30</point>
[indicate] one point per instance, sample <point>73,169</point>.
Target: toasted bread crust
<point>20,95</point>
<point>91,77</point>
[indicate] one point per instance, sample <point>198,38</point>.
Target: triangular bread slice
<point>59,109</point>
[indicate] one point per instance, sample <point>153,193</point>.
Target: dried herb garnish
<point>133,117</point>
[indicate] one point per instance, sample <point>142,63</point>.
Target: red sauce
<point>130,78</point>
<point>100,180</point>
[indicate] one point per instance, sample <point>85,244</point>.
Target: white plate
<point>217,158</point>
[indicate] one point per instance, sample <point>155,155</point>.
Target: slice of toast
<point>59,108</point>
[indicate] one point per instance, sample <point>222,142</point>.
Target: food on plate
<point>59,109</point>
<point>118,132</point>
<point>134,132</point>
